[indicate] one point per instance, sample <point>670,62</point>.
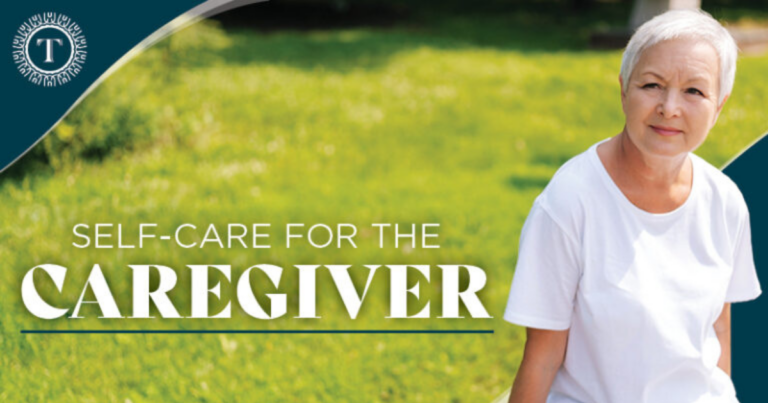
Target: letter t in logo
<point>49,47</point>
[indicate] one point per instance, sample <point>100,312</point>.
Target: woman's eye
<point>694,91</point>
<point>650,85</point>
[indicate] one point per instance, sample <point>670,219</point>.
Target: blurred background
<point>322,112</point>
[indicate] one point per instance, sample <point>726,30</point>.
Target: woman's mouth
<point>666,131</point>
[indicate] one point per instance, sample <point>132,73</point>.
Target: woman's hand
<point>723,331</point>
<point>543,356</point>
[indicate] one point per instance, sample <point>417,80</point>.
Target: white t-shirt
<point>640,292</point>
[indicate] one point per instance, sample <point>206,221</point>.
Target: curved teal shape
<point>114,31</point>
<point>749,343</point>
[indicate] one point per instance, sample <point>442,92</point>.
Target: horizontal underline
<point>257,331</point>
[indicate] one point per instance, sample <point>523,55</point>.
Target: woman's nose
<point>669,104</point>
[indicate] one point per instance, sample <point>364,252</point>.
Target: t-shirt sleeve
<point>546,276</point>
<point>744,285</point>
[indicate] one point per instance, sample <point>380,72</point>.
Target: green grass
<point>411,124</point>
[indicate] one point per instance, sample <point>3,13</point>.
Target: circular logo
<point>49,49</point>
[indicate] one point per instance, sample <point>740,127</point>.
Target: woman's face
<point>671,101</point>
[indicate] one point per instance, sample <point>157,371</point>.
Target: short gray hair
<point>675,24</point>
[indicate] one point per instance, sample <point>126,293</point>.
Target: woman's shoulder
<point>574,178</point>
<point>721,192</point>
<point>717,185</point>
<point>567,193</point>
<point>571,177</point>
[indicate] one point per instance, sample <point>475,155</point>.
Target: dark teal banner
<point>749,353</point>
<point>110,30</point>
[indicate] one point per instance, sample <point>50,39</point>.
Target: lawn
<point>411,123</point>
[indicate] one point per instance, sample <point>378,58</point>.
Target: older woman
<point>631,256</point>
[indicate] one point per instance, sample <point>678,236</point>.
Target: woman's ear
<point>720,108</point>
<point>623,94</point>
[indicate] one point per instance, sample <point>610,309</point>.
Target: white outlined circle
<point>40,69</point>
<point>36,74</point>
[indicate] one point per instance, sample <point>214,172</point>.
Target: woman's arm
<point>723,331</point>
<point>543,356</point>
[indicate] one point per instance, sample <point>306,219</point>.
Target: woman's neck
<point>656,184</point>
<point>650,170</point>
